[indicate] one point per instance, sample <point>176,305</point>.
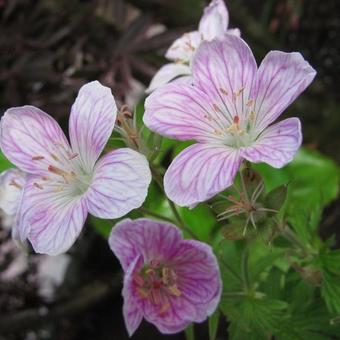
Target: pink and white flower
<point>228,109</point>
<point>68,180</point>
<point>213,24</point>
<point>169,281</point>
<point>12,182</point>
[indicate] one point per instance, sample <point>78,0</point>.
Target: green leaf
<point>213,324</point>
<point>4,163</point>
<point>200,220</point>
<point>255,318</point>
<point>330,284</point>
<point>276,198</point>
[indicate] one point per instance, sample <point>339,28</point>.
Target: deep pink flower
<point>228,109</point>
<point>169,281</point>
<point>67,180</point>
<point>213,24</point>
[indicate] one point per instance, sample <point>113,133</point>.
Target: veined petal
<point>131,309</point>
<point>277,144</point>
<point>12,182</point>
<point>225,70</point>
<point>145,237</point>
<point>92,119</point>
<point>167,73</point>
<point>50,219</point>
<point>215,20</point>
<point>182,111</point>
<point>200,172</point>
<point>32,140</point>
<point>280,79</point>
<point>199,276</point>
<point>120,183</point>
<point>183,48</point>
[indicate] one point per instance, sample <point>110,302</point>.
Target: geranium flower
<point>169,281</point>
<point>228,109</point>
<point>213,24</point>
<point>12,182</point>
<point>66,181</point>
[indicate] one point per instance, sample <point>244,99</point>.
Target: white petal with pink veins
<point>33,140</point>
<point>50,219</point>
<point>120,183</point>
<point>182,111</point>
<point>200,172</point>
<point>277,144</point>
<point>225,70</point>
<point>92,119</point>
<point>280,80</point>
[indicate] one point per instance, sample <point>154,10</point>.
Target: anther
<point>72,156</point>
<point>15,184</point>
<point>54,157</point>
<point>37,158</point>
<point>225,92</point>
<point>38,186</point>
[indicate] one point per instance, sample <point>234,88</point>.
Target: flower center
<point>66,173</point>
<point>157,282</point>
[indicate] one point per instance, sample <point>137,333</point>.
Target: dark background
<point>49,48</point>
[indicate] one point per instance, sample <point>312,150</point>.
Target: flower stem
<point>158,179</point>
<point>245,270</point>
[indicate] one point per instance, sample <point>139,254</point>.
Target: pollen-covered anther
<point>72,156</point>
<point>222,90</point>
<point>15,184</point>
<point>54,157</point>
<point>250,102</point>
<point>38,186</point>
<point>234,128</point>
<point>174,290</point>
<point>37,158</point>
<point>216,108</point>
<point>65,175</point>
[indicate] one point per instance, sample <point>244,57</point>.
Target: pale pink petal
<point>12,182</point>
<point>277,144</point>
<point>91,123</point>
<point>182,111</point>
<point>200,172</point>
<point>50,219</point>
<point>199,276</point>
<point>32,140</point>
<point>167,73</point>
<point>184,47</point>
<point>225,71</point>
<point>149,238</point>
<point>131,308</point>
<point>215,20</point>
<point>281,78</point>
<point>120,183</point>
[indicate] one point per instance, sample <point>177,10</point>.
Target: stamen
<point>37,158</point>
<point>15,184</point>
<point>164,308</point>
<point>72,156</point>
<point>250,102</point>
<point>174,290</point>
<point>38,186</point>
<point>225,92</point>
<point>216,108</point>
<point>54,157</point>
<point>142,292</point>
